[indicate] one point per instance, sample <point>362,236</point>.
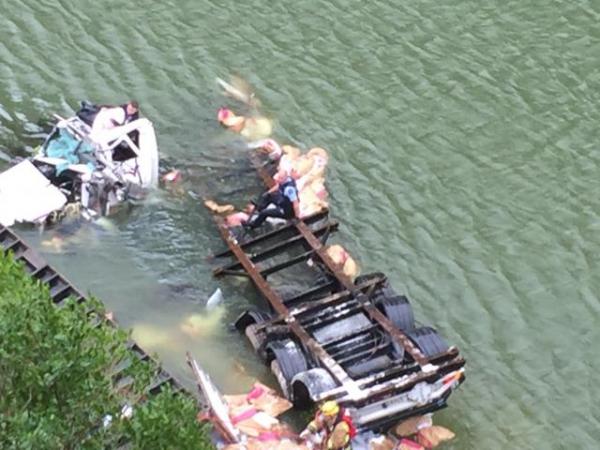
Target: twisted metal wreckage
<point>78,171</point>
<point>353,341</point>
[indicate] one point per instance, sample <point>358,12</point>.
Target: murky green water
<point>464,142</point>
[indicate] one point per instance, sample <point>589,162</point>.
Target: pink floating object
<point>223,114</point>
<point>256,392</point>
<point>266,436</point>
<point>407,443</point>
<point>172,176</point>
<point>244,415</point>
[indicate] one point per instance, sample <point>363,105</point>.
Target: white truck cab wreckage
<point>79,170</point>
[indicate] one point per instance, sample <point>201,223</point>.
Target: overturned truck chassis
<point>355,341</point>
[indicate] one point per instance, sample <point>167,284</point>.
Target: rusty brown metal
<point>331,225</point>
<point>398,370</point>
<point>312,293</point>
<point>290,262</point>
<point>398,376</point>
<point>393,385</point>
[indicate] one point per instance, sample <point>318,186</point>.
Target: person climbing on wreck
<point>331,429</point>
<point>105,118</point>
<point>115,116</point>
<point>280,201</point>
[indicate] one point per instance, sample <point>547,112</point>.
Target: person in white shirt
<point>111,117</point>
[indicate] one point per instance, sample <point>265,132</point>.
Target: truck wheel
<point>250,317</point>
<point>247,324</point>
<point>400,313</point>
<point>307,386</point>
<point>289,361</point>
<point>428,341</point>
<point>383,291</point>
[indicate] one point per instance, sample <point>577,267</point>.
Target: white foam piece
<point>26,195</point>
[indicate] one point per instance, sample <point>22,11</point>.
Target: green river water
<point>464,164</point>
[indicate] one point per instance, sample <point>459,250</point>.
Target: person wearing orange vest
<point>331,429</point>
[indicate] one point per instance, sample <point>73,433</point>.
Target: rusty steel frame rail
<point>397,384</point>
<point>446,361</point>
<point>335,270</point>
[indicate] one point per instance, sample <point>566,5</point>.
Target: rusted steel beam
<point>398,384</point>
<point>333,315</point>
<point>350,338</point>
<point>326,360</point>
<point>282,246</point>
<point>363,352</point>
<point>355,344</point>
<point>280,230</point>
<point>219,272</point>
<point>322,229</point>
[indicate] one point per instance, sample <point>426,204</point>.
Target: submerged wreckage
<point>80,169</point>
<point>353,341</point>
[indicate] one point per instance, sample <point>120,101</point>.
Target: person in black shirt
<point>280,201</point>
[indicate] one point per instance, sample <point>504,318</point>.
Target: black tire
<point>289,356</point>
<point>369,276</point>
<point>400,313</point>
<point>383,291</point>
<point>428,341</point>
<point>250,317</point>
<point>308,385</point>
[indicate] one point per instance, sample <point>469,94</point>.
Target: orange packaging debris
<point>433,436</point>
<point>235,401</point>
<point>412,426</point>
<point>407,444</point>
<point>381,443</point>
<point>271,404</point>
